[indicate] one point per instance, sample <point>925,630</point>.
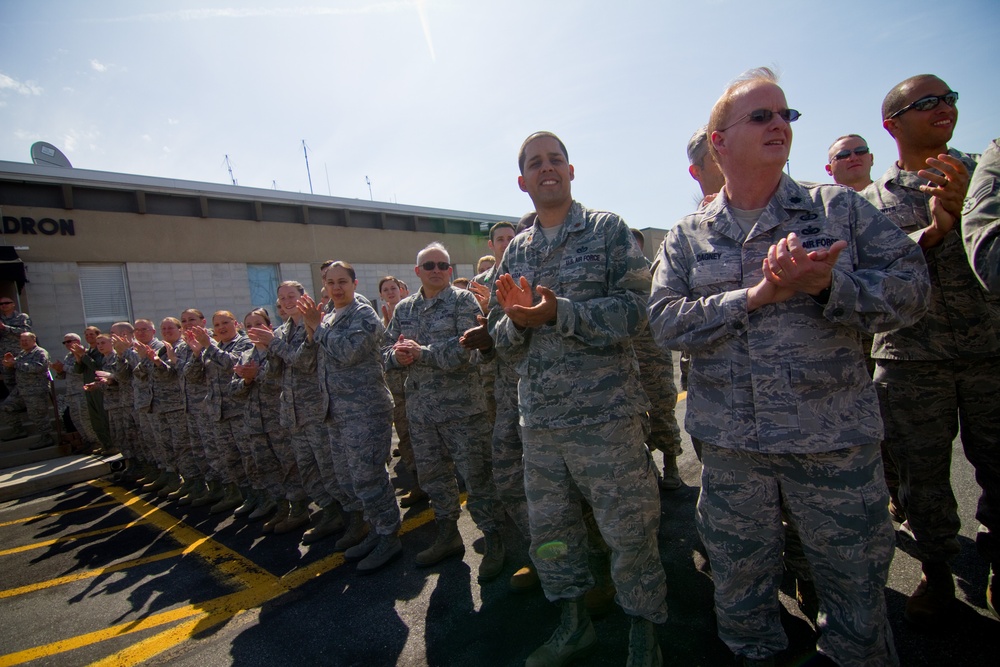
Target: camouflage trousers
<point>656,373</point>
<point>508,453</point>
<point>924,406</point>
<point>611,468</point>
<point>150,447</point>
<point>463,444</point>
<point>201,433</point>
<point>838,504</point>
<point>80,415</point>
<point>175,440</point>
<point>36,406</point>
<point>124,431</point>
<point>230,454</point>
<point>98,417</point>
<point>361,447</point>
<point>277,471</point>
<point>310,444</point>
<point>400,421</point>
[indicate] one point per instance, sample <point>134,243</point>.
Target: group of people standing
<point>533,386</point>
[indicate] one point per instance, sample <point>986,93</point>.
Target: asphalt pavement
<point>99,574</point>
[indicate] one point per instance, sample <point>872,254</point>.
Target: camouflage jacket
<point>219,359</point>
<point>10,337</point>
<point>118,389</point>
<point>73,374</point>
<point>962,321</point>
<point>261,397</point>
<point>981,219</point>
<point>350,364</point>
<point>142,377</point>
<point>30,375</point>
<point>168,393</point>
<point>443,384</point>
<point>789,377</point>
<point>301,402</point>
<point>194,382</point>
<point>580,369</point>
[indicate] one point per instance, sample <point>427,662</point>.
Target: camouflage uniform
<point>76,400</point>
<point>118,404</point>
<point>230,453</point>
<point>395,379</point>
<point>170,422</point>
<point>445,405</point>
<point>981,219</point>
<point>507,449</point>
<point>358,407</point>
<point>656,372</point>
<point>488,369</point>
<point>87,366</point>
<point>302,414</point>
<point>938,375</point>
<point>583,410</point>
<point>10,341</point>
<point>200,427</point>
<point>785,408</point>
<point>277,471</point>
<point>142,402</point>
<point>29,385</point>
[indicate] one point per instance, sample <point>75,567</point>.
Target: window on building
<point>263,280</point>
<point>105,294</point>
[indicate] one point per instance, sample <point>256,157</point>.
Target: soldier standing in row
<point>571,294</point>
<point>27,374</point>
<point>770,288</point>
<point>940,375</point>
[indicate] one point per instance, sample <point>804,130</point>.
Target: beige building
<point>101,247</point>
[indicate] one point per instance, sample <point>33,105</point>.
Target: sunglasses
<point>761,116</point>
<point>846,153</point>
<point>928,103</point>
<point>440,266</point>
<point>68,342</point>
<point>6,303</point>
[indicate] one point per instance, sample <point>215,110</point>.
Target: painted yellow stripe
<point>47,515</point>
<point>70,538</point>
<point>681,396</point>
<point>222,558</point>
<point>222,609</point>
<point>89,574</point>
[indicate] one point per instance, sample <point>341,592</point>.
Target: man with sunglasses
<point>446,407</point>
<point>771,288</point>
<point>944,371</point>
<point>12,325</point>
<point>849,162</point>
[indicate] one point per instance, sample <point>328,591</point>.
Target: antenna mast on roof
<point>306,153</point>
<point>229,166</point>
<point>369,188</point>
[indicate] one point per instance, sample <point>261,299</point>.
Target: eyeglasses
<point>928,103</point>
<point>68,342</point>
<point>6,303</point>
<point>846,153</point>
<point>440,266</point>
<point>761,116</point>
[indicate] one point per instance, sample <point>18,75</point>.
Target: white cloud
<point>173,121</point>
<point>147,138</point>
<point>278,12</point>
<point>166,149</point>
<point>97,66</point>
<point>69,143</point>
<point>26,88</point>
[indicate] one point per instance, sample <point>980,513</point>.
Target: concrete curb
<point>45,475</point>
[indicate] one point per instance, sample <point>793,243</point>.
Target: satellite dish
<point>46,154</point>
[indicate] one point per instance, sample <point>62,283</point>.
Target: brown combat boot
<point>280,515</point>
<point>448,543</point>
<point>357,530</point>
<point>493,557</point>
<point>573,638</point>
<point>330,521</point>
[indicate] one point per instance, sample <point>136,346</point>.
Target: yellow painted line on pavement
<point>47,515</point>
<point>90,574</point>
<point>681,396</point>
<point>70,538</point>
<point>222,609</point>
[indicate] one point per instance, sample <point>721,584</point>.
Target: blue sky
<point>431,100</point>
